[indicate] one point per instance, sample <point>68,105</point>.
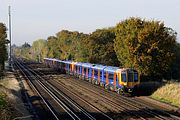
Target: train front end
<point>128,80</point>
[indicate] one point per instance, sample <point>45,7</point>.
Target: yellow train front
<point>128,80</point>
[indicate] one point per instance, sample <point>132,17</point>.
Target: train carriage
<point>56,64</point>
<point>98,74</point>
<point>87,71</point>
<point>111,78</point>
<point>49,62</point>
<point>61,66</point>
<point>78,69</point>
<point>68,66</point>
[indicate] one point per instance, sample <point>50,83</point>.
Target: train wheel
<point>107,86</point>
<point>90,80</point>
<point>118,91</point>
<point>93,81</point>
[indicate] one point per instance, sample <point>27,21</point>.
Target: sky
<point>39,19</point>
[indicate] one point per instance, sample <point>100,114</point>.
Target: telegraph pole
<point>10,59</point>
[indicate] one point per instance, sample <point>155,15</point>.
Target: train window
<point>105,75</point>
<point>123,77</point>
<point>135,77</point>
<point>116,77</point>
<point>63,65</point>
<point>89,72</point>
<point>84,71</point>
<point>130,77</point>
<point>95,72</point>
<point>77,69</point>
<point>67,67</point>
<point>111,76</point>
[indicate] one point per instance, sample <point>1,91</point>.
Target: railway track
<point>121,105</point>
<point>144,111</point>
<point>70,107</point>
<point>27,76</point>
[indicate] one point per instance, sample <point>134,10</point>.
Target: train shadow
<point>139,114</point>
<point>147,88</point>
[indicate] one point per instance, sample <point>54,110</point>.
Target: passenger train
<point>121,80</point>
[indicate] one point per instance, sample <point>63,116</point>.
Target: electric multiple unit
<point>121,80</point>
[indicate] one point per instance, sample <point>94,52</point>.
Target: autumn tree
<point>3,45</point>
<point>174,72</point>
<point>68,43</point>
<point>52,46</point>
<point>145,45</point>
<point>101,47</point>
<point>39,50</point>
<point>82,54</point>
<point>23,51</point>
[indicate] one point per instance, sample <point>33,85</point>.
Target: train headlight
<point>130,90</point>
<point>125,83</point>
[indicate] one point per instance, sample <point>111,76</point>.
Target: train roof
<point>67,62</point>
<point>78,63</point>
<point>49,58</point>
<point>111,68</point>
<point>97,66</point>
<point>87,64</point>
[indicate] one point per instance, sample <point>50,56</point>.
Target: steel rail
<point>112,104</point>
<point>128,102</point>
<point>18,65</point>
<point>60,103</point>
<point>136,105</point>
<point>78,97</point>
<point>57,99</point>
<point>69,100</point>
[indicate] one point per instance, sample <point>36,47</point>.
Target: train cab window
<point>130,77</point>
<point>135,77</point>
<point>123,77</point>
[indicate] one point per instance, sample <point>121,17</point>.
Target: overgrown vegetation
<point>169,93</point>
<point>148,46</point>
<point>3,45</point>
<point>5,113</point>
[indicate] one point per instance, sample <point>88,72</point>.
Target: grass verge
<point>4,107</point>
<point>169,93</point>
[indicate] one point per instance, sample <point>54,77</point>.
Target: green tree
<point>175,69</point>
<point>52,45</point>
<point>3,45</point>
<point>68,43</point>
<point>23,51</point>
<point>82,51</point>
<point>101,47</point>
<point>39,50</point>
<point>145,45</point>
